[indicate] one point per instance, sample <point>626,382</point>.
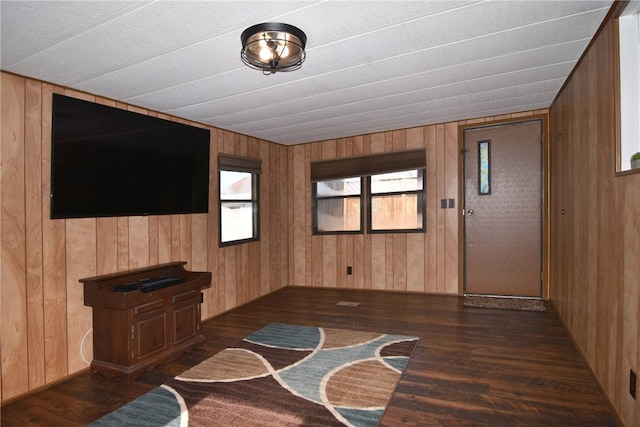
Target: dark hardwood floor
<point>472,367</point>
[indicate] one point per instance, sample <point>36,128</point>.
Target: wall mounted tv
<point>106,161</point>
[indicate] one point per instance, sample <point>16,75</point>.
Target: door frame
<point>543,117</point>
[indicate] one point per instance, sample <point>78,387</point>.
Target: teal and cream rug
<point>281,375</point>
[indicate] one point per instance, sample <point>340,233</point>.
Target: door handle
<point>470,211</point>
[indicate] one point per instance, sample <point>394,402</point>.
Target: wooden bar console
<point>144,317</point>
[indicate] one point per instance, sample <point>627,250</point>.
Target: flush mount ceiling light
<point>273,46</point>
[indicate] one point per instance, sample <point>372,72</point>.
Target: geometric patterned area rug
<point>281,375</point>
<point>502,303</point>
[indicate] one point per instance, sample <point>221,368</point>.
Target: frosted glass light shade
<point>273,46</point>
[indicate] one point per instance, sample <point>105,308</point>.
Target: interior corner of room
<point>585,207</point>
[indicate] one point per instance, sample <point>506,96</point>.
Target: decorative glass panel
<point>484,168</point>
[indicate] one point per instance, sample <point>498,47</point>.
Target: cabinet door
<point>186,316</point>
<point>150,325</point>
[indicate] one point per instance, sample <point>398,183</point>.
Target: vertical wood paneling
<point>282,166</point>
<point>240,274</point>
<point>14,327</point>
<point>329,261</point>
<point>123,243</point>
<point>153,244</point>
<point>377,143</point>
<point>341,261</point>
<point>107,245</point>
<point>329,243</point>
<point>138,242</point>
<point>33,210</point>
<point>440,254</point>
<point>316,252</point>
<point>595,226</point>
<point>349,260</point>
<point>629,326</point>
<point>212,302</point>
<point>184,251</point>
<point>175,237</point>
<point>433,196</point>
<point>399,282</point>
<point>267,218</point>
<point>630,298</point>
<point>45,328</point>
<point>426,262</point>
<point>451,155</point>
<point>300,223</point>
<point>389,261</point>
<point>404,262</point>
<point>416,262</point>
<point>164,239</point>
<point>378,261</point>
<point>53,261</point>
<point>199,232</point>
<point>230,277</point>
<point>80,262</point>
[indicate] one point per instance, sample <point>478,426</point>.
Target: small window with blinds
<point>239,199</point>
<point>387,189</point>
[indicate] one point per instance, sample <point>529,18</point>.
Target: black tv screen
<point>106,161</point>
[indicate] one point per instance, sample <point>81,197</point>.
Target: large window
<point>629,90</point>
<point>386,189</point>
<point>239,199</point>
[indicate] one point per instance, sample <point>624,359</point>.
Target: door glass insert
<point>484,168</point>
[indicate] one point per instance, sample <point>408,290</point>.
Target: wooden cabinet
<point>136,330</point>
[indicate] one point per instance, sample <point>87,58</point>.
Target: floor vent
<point>348,303</point>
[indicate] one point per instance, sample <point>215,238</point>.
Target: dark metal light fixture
<point>273,46</point>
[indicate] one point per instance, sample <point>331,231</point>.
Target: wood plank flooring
<point>472,367</point>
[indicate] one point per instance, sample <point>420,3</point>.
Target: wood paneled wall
<point>424,262</point>
<point>45,329</point>
<point>595,226</point>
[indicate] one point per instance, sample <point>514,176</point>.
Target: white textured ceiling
<point>371,65</point>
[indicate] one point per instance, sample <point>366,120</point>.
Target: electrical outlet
<point>349,270</point>
<point>632,384</point>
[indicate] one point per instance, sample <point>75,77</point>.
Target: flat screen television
<point>106,161</point>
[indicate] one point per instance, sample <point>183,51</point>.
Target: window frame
<point>621,163</point>
<point>421,205</point>
<point>227,163</point>
<point>364,167</point>
<point>314,196</point>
